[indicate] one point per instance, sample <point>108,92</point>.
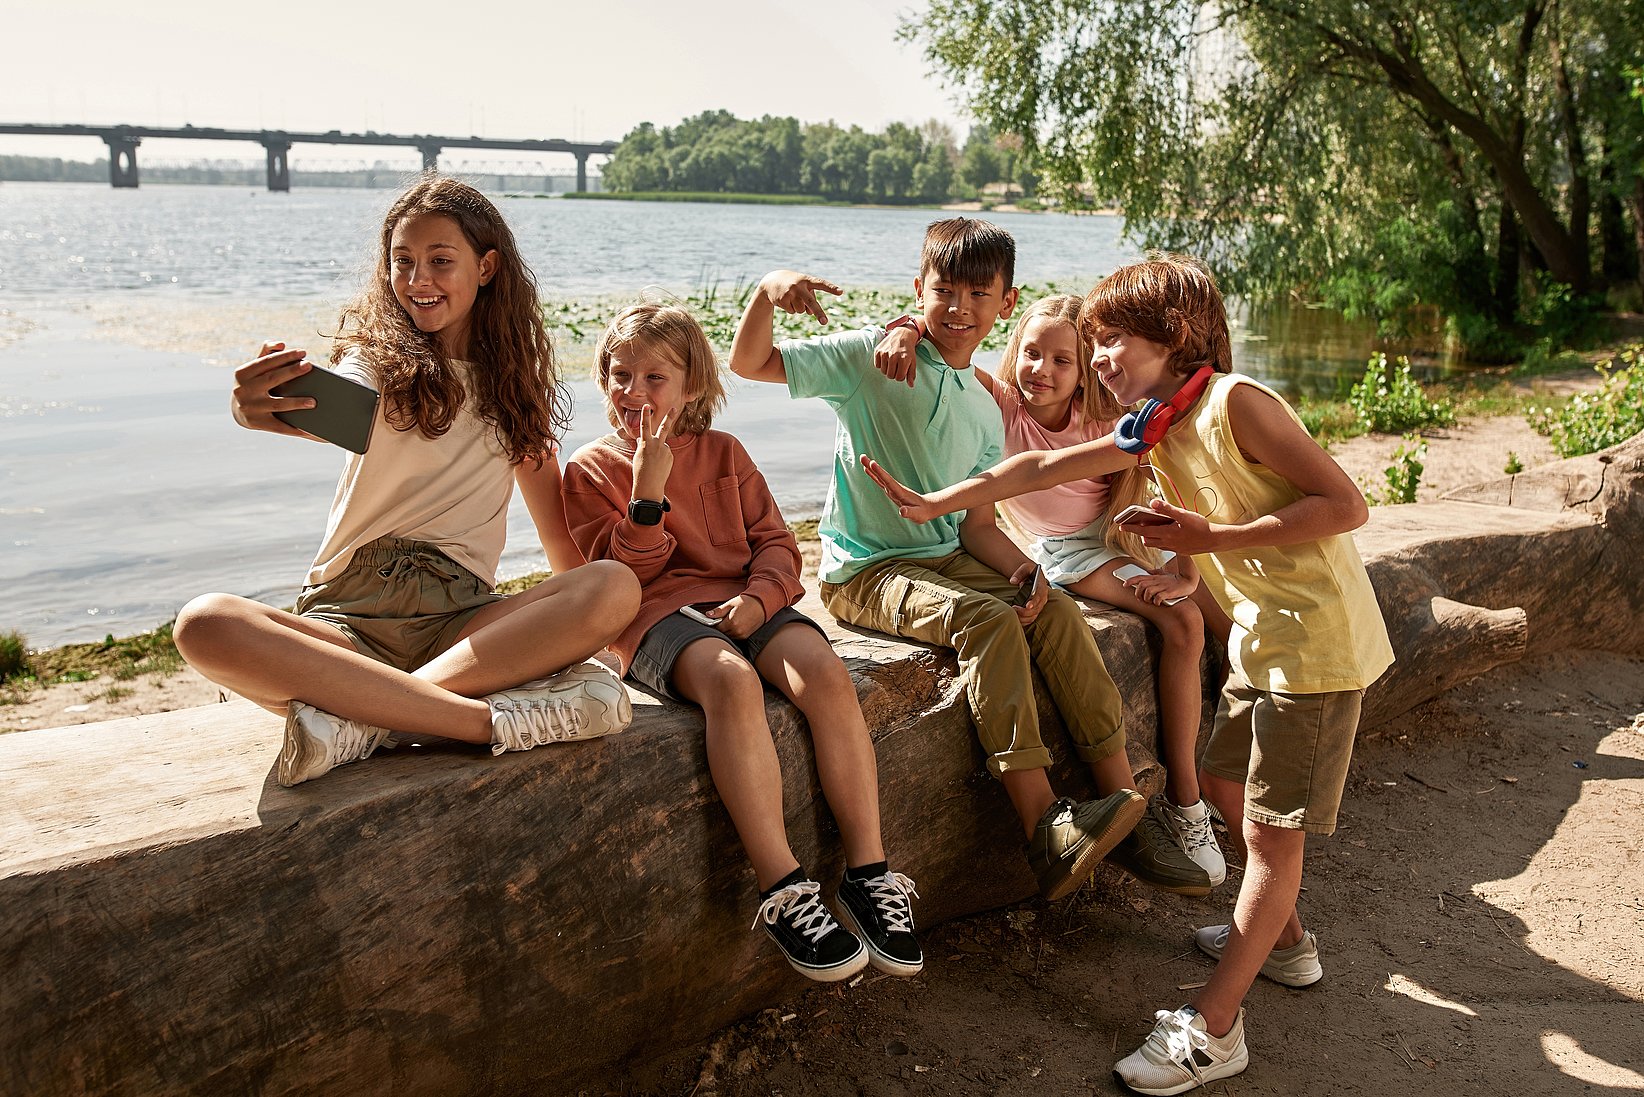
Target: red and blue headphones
<point>1141,430</point>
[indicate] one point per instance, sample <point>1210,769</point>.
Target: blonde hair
<point>670,330</point>
<point>514,378</point>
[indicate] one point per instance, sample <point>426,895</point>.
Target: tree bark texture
<point>435,921</point>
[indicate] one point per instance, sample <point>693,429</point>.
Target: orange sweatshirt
<point>722,536</point>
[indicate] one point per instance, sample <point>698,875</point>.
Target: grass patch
<point>712,197</point>
<point>120,660</point>
<point>718,306</point>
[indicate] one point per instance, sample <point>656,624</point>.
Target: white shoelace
<point>528,722</point>
<point>890,894</point>
<point>353,741</point>
<point>1175,1039</point>
<point>1196,833</point>
<point>808,915</point>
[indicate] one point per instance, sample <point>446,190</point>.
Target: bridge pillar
<point>279,165</point>
<point>122,159</point>
<point>582,172</point>
<point>430,157</point>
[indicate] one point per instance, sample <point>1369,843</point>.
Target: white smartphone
<point>1138,515</point>
<point>697,615</point>
<point>1131,571</point>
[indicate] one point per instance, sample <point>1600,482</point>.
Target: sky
<point>589,70</point>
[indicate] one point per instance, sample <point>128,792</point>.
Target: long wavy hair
<point>1096,404</point>
<point>514,378</point>
<point>661,327</point>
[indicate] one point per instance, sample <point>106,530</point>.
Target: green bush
<point>14,655</point>
<point>1597,420</point>
<point>1514,466</point>
<point>1404,474</point>
<point>1389,400</point>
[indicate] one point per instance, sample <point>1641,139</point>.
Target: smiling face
<point>958,315</point>
<point>1133,368</point>
<point>436,276</point>
<point>636,376</point>
<point>1048,370</point>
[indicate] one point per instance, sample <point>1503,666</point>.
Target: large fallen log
<point>436,921</point>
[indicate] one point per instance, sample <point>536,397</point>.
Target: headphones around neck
<point>1141,430</point>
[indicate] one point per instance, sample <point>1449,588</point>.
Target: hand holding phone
<point>1136,571</point>
<point>697,615</point>
<point>1025,592</point>
<point>1138,515</point>
<point>344,410</point>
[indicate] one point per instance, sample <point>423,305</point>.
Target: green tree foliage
<point>718,153</point>
<point>1389,155</point>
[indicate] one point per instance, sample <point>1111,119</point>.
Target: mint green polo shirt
<point>943,430</point>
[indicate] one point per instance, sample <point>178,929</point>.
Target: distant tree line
<point>717,152</point>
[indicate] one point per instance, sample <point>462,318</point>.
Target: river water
<point>125,488</point>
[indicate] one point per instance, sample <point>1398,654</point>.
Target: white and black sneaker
<point>878,911</point>
<point>810,937</point>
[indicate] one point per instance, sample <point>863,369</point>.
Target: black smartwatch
<point>644,512</point>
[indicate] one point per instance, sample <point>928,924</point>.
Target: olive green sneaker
<point>1071,838</point>
<point>1150,853</point>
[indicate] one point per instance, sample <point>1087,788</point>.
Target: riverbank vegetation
<point>718,153</point>
<point>1481,163</point>
<point>1579,424</point>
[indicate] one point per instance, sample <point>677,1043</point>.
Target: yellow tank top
<point>1305,618</point>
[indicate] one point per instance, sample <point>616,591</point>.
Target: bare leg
<point>1264,916</point>
<point>741,756</point>
<point>799,662</point>
<point>1227,797</point>
<point>1181,629</point>
<point>273,657</point>
<point>1030,794</point>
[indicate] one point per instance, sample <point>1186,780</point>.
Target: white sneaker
<point>1296,966</point>
<point>1194,836</point>
<point>1179,1054</point>
<point>317,742</point>
<point>584,701</point>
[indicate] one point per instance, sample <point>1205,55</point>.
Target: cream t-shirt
<point>452,491</point>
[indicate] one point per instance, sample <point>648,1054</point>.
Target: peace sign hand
<point>653,460</point>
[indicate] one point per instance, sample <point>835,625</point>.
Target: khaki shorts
<point>402,602</point>
<point>1290,750</point>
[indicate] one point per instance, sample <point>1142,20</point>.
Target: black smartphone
<point>1025,592</point>
<point>344,409</point>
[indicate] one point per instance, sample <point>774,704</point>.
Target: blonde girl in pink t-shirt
<point>1049,401</point>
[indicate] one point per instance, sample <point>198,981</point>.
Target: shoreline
<point>142,674</point>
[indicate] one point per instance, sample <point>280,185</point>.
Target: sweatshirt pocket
<point>722,509</point>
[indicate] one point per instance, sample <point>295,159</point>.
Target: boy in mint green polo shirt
<point>954,582</point>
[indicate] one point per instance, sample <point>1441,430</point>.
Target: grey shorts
<point>665,641</point>
<point>400,601</point>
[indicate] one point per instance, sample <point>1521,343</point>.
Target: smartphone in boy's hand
<point>1138,515</point>
<point>1026,591</point>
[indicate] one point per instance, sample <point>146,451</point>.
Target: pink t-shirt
<point>1065,508</point>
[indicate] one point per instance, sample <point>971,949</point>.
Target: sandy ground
<point>1478,911</point>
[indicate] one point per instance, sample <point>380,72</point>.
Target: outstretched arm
<point>753,350</point>
<point>252,402</point>
<point>1032,470</point>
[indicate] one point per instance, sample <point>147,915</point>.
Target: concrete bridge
<point>122,142</point>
